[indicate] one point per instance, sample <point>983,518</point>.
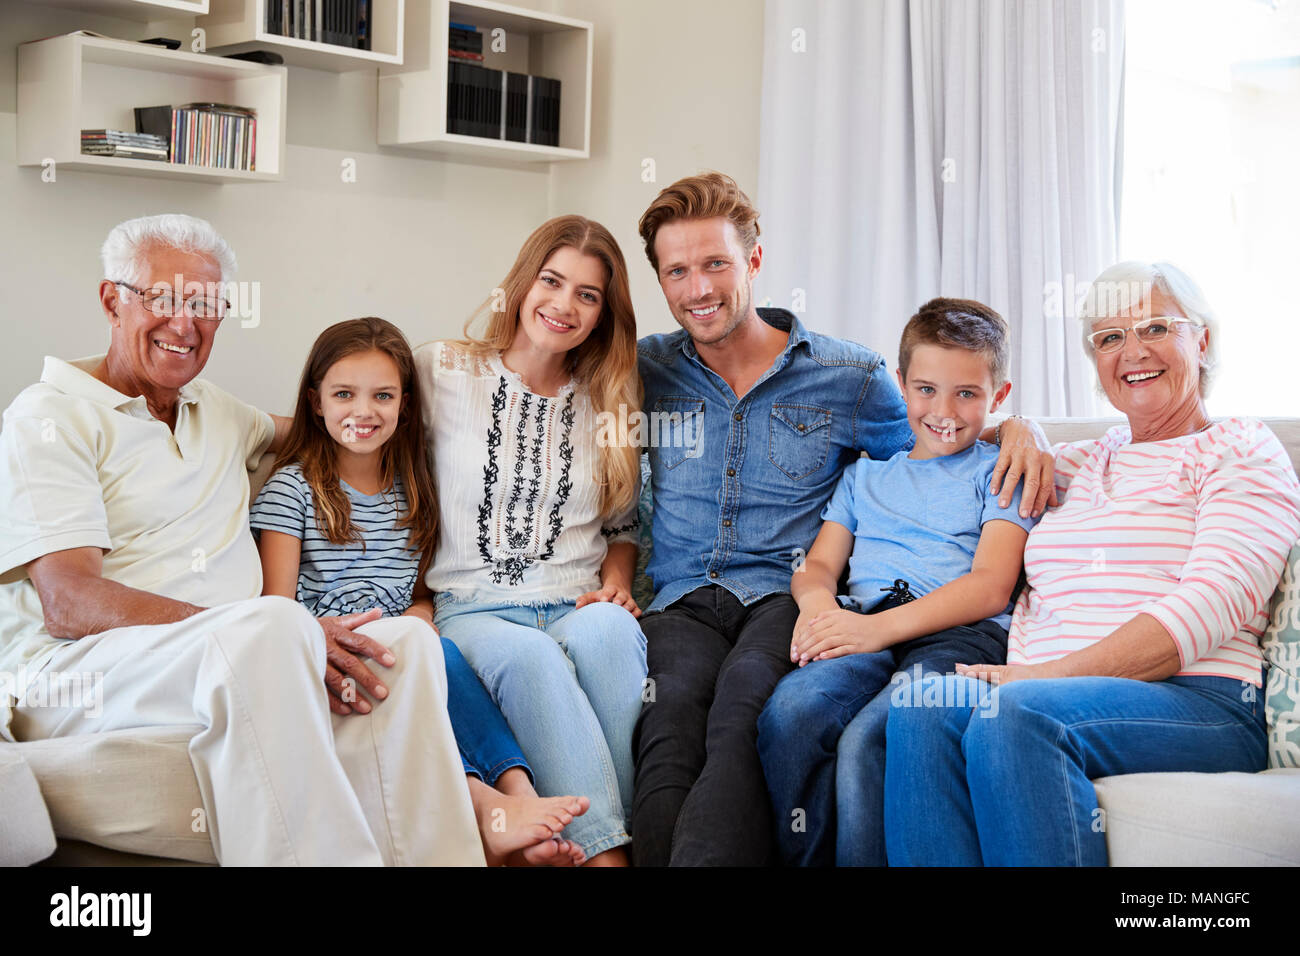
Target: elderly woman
<point>1135,646</point>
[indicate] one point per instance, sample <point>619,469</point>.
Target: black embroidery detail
<point>490,474</point>
<point>535,485</point>
<point>632,525</point>
<point>563,486</point>
<point>515,539</point>
<point>510,569</point>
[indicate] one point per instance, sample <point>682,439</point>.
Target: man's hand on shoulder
<point>1025,454</point>
<point>282,426</point>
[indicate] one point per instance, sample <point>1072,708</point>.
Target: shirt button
<point>713,574</point>
<point>738,417</point>
<point>726,522</point>
<point>731,473</point>
<point>801,427</point>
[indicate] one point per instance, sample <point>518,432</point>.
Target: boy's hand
<point>811,606</point>
<point>838,633</point>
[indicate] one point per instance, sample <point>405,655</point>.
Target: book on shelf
<point>345,23</point>
<point>464,38</point>
<point>501,105</point>
<point>123,143</point>
<point>216,135</point>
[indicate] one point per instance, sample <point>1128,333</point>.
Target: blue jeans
<point>821,740</point>
<point>569,683</point>
<point>487,747</point>
<point>1007,782</point>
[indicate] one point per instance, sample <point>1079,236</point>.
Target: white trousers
<point>285,781</point>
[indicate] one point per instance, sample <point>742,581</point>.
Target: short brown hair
<point>959,324</point>
<point>705,196</point>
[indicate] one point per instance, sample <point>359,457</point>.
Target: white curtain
<point>969,148</point>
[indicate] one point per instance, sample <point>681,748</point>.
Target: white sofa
<point>129,797</point>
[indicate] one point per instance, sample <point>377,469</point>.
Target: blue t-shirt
<point>918,519</point>
<point>343,578</point>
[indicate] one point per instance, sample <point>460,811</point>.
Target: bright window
<point>1211,178</point>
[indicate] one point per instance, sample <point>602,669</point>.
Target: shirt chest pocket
<point>799,439</point>
<point>676,430</point>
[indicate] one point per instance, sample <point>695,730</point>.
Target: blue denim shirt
<point>739,485</point>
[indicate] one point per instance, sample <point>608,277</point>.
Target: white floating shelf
<point>140,10</point>
<point>238,26</point>
<point>70,83</point>
<point>413,96</point>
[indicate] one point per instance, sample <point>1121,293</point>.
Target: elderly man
<point>125,551</point>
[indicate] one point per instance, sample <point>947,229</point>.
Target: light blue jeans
<point>569,683</point>
<point>1003,777</point>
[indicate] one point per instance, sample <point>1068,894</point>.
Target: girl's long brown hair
<point>311,446</point>
<point>605,362</point>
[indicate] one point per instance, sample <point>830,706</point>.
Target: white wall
<point>419,240</point>
<point>676,82</point>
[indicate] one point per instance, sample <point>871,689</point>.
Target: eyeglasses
<point>168,303</point>
<point>1148,330</point>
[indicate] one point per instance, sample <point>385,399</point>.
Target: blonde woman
<point>532,578</point>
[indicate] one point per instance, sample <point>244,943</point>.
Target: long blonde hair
<point>309,444</point>
<point>605,363</point>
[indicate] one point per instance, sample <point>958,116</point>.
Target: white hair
<point>1127,287</point>
<point>124,252</point>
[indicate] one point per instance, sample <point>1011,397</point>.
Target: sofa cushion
<point>25,832</point>
<point>130,790</point>
<point>1281,647</point>
<point>1202,819</point>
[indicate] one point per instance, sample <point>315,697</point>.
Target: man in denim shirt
<point>753,420</point>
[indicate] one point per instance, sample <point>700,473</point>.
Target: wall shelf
<point>139,10</point>
<point>70,83</point>
<point>413,96</point>
<point>237,26</point>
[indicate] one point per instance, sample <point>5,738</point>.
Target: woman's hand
<point>1001,673</point>
<point>613,594</point>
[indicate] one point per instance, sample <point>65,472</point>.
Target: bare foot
<point>556,852</point>
<point>508,823</point>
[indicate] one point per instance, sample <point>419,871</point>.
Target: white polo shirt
<point>82,465</point>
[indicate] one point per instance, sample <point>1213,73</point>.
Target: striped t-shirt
<point>350,578</point>
<point>1193,531</point>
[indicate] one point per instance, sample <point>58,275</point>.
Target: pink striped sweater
<point>1193,531</point>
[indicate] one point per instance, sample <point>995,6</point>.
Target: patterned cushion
<point>1281,646</point>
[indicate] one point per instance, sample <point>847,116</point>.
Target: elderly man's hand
<point>1027,454</point>
<point>344,670</point>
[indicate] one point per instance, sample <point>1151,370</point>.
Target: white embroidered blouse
<point>519,502</point>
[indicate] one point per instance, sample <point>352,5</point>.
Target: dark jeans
<point>487,747</point>
<point>821,740</point>
<point>699,798</point>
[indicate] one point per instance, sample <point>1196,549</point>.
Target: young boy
<point>933,561</point>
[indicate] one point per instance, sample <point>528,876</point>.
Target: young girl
<point>348,522</point>
<point>534,570</point>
